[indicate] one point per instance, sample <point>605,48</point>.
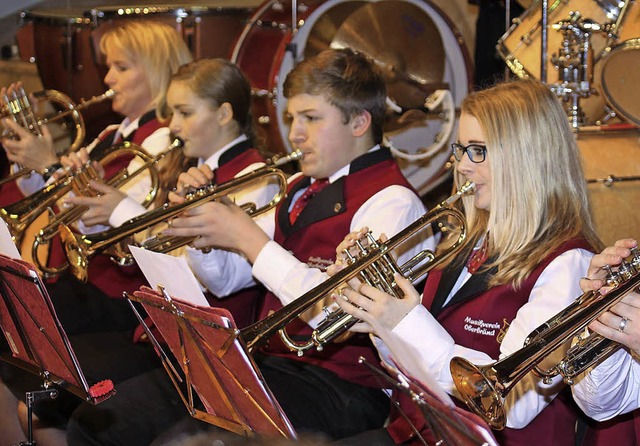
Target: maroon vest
<point>620,430</point>
<point>113,279</point>
<point>313,238</point>
<point>478,318</point>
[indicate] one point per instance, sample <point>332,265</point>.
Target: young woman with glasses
<point>529,239</point>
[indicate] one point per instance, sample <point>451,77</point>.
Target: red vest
<point>496,308</point>
<point>313,238</point>
<point>620,430</point>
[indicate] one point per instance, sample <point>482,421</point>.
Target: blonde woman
<point>530,239</point>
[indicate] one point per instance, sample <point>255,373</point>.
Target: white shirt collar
<point>214,160</point>
<point>345,169</point>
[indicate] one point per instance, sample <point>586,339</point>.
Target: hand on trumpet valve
<point>193,178</point>
<point>222,224</point>
<point>603,264</point>
<point>377,311</point>
<point>77,160</point>
<point>100,205</point>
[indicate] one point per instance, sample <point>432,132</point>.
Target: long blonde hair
<point>539,196</point>
<point>157,46</point>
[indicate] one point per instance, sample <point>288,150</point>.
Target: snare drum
<point>267,50</point>
<point>614,206</point>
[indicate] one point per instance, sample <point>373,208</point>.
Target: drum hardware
<point>574,61</point>
<point>609,180</point>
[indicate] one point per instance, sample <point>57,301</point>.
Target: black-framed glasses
<point>477,153</point>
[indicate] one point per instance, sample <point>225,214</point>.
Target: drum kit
<point>590,50</point>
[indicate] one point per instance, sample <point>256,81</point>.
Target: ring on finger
<point>623,324</point>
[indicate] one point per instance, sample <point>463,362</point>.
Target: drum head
<point>620,79</point>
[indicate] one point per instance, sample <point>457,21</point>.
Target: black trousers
<point>147,407</point>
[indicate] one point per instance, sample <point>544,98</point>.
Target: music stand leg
<point>32,398</point>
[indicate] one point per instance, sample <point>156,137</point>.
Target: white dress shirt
<point>611,388</point>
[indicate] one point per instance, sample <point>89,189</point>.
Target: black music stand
<point>451,426</point>
<point>214,363</point>
<point>37,341</point>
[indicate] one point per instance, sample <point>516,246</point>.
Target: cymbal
<point>323,30</point>
<point>403,41</point>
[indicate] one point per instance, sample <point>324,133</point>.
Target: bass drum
<point>613,180</point>
<point>209,31</point>
<point>59,42</point>
<point>411,54</point>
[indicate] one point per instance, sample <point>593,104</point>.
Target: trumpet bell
<point>76,254</point>
<point>479,391</point>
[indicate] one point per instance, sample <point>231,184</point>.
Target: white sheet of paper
<point>173,273</point>
<point>7,245</point>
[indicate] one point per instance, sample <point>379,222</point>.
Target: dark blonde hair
<point>539,196</point>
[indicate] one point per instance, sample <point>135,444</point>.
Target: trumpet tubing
<point>79,183</point>
<point>18,107</point>
<point>80,248</point>
<point>484,388</point>
<point>374,265</point>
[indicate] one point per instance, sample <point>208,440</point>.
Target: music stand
<point>37,340</point>
<point>214,363</point>
<point>450,425</point>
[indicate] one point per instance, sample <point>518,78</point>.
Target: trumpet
<point>80,248</point>
<point>80,184</point>
<point>19,108</point>
<point>374,266</point>
<point>484,388</point>
<point>18,216</point>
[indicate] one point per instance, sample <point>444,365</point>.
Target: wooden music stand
<point>37,340</point>
<point>214,363</point>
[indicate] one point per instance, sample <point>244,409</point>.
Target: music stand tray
<point>215,363</point>
<point>35,336</point>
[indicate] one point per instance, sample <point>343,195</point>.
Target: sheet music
<point>7,245</point>
<point>172,272</point>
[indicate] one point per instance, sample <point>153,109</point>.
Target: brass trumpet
<point>80,182</point>
<point>80,248</point>
<point>375,266</point>
<point>18,216</point>
<point>484,388</point>
<point>19,108</point>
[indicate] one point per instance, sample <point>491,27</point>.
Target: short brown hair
<point>347,80</point>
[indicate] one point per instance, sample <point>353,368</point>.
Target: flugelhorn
<point>484,388</point>
<point>80,248</point>
<point>81,180</point>
<point>19,215</point>
<point>18,107</point>
<point>375,266</point>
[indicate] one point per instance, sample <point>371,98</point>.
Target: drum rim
<point>627,45</point>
